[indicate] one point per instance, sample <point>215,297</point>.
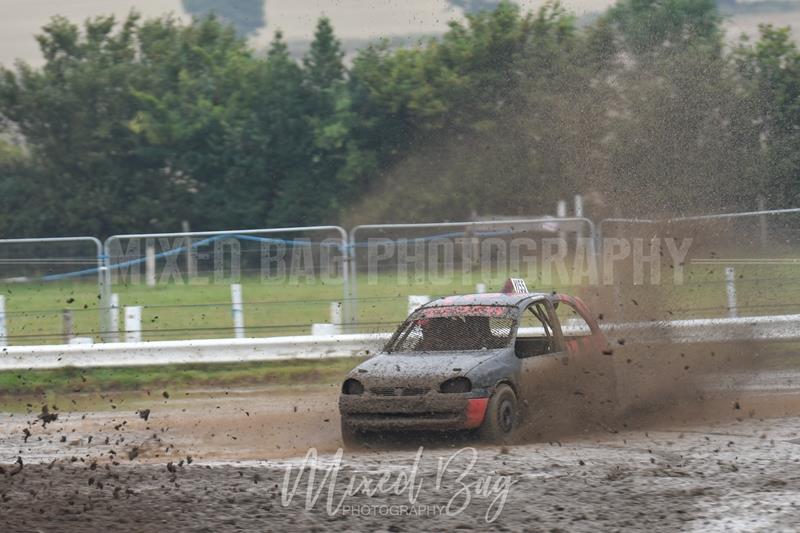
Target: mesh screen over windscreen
<point>453,333</point>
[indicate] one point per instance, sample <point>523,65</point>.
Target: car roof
<point>514,299</point>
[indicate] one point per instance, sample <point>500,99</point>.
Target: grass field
<point>179,311</point>
<point>68,385</point>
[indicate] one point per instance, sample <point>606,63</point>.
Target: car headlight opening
<point>352,386</point>
<point>456,385</point>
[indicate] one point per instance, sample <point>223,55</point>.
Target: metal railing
<point>348,244</point>
<point>206,237</point>
<point>717,216</point>
<point>729,251</point>
<point>99,269</point>
<point>351,317</point>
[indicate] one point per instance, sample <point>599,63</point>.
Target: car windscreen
<point>447,329</point>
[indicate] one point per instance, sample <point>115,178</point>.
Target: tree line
<point>139,124</point>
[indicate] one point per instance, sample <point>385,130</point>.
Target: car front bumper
<point>431,412</point>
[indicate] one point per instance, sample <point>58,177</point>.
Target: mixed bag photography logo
<point>448,486</point>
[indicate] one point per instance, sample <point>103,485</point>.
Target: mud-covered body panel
<point>426,369</point>
<point>404,390</point>
<point>431,411</point>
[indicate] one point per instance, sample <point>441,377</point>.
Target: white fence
<point>120,354</point>
<point>761,328</point>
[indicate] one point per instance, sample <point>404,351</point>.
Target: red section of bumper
<point>476,410</point>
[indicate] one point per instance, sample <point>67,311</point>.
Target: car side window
<point>572,323</point>
<point>534,332</point>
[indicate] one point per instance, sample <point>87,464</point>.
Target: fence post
<point>730,279</point>
<point>579,213</point>
<point>561,212</point>
<point>133,324</point>
<point>561,209</point>
<point>104,288</point>
<point>3,328</point>
<point>66,317</point>
<point>150,265</point>
<point>113,319</point>
<point>237,310</point>
<point>350,271</point>
<point>336,315</point>
<point>578,206</point>
<point>322,330</point>
<point>191,253</point>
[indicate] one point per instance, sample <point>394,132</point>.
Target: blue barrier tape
<point>179,250</point>
<point>271,240</point>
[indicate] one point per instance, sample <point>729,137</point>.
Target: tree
<point>95,175</point>
<point>134,126</point>
<point>277,139</point>
<point>313,195</point>
<point>17,190</point>
<point>684,139</point>
<point>772,65</point>
<point>653,28</point>
<point>322,64</point>
<point>481,115</point>
<point>192,99</point>
<point>137,125</point>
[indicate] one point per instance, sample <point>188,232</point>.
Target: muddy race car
<point>483,362</point>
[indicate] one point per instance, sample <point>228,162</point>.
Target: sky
<point>20,20</point>
<point>356,20</point>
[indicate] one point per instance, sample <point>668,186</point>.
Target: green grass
<point>72,380</point>
<point>760,290</point>
<point>179,311</point>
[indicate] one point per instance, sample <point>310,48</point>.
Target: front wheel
<point>502,418</point>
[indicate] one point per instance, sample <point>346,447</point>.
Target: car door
<point>580,332</point>
<point>592,361</point>
<point>539,346</point>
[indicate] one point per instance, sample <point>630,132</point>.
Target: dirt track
<point>740,472</point>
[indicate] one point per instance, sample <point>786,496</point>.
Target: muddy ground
<point>218,460</point>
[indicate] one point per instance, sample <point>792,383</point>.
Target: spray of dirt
<point>653,376</point>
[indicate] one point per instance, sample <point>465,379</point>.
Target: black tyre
<point>502,418</point>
